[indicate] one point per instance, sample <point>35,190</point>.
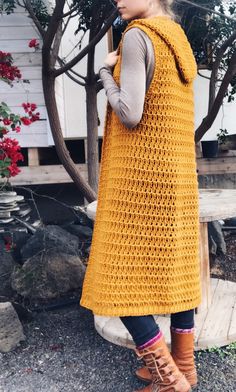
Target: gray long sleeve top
<point>137,67</point>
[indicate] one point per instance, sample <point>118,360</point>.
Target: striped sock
<point>180,330</point>
<point>151,341</point>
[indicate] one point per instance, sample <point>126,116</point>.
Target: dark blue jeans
<point>144,328</point>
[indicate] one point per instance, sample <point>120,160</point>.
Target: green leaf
<point>5,173</point>
<point>5,106</point>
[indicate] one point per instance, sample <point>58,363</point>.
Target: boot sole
<point>148,381</point>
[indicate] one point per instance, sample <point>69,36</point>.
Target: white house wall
<point>16,30</point>
<point>226,117</point>
<point>74,94</point>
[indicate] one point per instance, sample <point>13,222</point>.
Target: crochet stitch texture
<point>144,257</point>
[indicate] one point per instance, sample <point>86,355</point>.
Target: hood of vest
<point>174,36</point>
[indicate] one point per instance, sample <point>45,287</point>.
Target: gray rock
<point>79,230</point>
<point>48,275</point>
<point>11,331</point>
<point>20,198</point>
<point>50,237</point>
<point>23,313</point>
<point>230,221</point>
<point>4,207</point>
<point>6,220</point>
<point>7,197</point>
<point>20,238</point>
<point>7,265</point>
<point>5,214</point>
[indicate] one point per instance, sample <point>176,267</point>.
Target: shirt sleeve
<point>128,100</point>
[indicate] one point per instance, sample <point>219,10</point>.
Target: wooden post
<point>33,157</point>
<point>205,268</point>
<point>86,151</point>
<point>86,164</point>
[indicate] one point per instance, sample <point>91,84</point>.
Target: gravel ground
<point>224,266</point>
<point>64,353</point>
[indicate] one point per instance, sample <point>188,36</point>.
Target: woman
<point>144,256</point>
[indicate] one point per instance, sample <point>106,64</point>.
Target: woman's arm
<point>128,100</point>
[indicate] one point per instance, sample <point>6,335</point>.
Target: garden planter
<point>209,148</point>
<point>229,144</point>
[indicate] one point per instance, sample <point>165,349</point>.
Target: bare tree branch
<point>210,118</point>
<point>71,70</point>
<point>85,51</point>
<point>203,76</point>
<point>29,8</point>
<point>68,73</point>
<point>51,32</point>
<point>75,46</point>
<point>215,68</point>
<point>66,25</point>
<point>211,11</point>
<point>77,74</point>
<point>70,12</point>
<point>56,44</point>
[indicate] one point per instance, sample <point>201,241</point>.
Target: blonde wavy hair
<point>167,6</point>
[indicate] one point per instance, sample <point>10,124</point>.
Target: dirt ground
<point>224,266</point>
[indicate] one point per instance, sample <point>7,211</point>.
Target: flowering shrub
<point>10,148</point>
<point>10,153</point>
<point>9,244</point>
<point>34,43</point>
<point>30,108</point>
<point>8,72</point>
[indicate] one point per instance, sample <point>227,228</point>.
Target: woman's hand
<point>111,59</point>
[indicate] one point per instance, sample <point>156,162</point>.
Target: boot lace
<point>152,362</point>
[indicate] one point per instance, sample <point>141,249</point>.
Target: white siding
<point>226,116</point>
<point>16,30</point>
<point>74,94</point>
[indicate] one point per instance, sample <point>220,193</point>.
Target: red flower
<point>4,131</point>
<point>7,121</point>
<point>34,43</point>
<point>9,243</point>
<point>33,107</point>
<point>8,246</point>
<point>14,169</point>
<point>26,107</point>
<point>26,120</point>
<point>6,58</point>
<point>11,149</point>
<point>29,108</point>
<point>34,117</point>
<point>7,70</point>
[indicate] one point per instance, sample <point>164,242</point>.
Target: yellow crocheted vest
<point>144,257</point>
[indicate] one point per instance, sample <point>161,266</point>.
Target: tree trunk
<point>91,106</point>
<point>92,136</point>
<point>63,153</point>
<point>211,116</point>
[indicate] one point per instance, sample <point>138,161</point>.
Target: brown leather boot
<point>165,375</point>
<point>182,348</point>
<point>182,351</point>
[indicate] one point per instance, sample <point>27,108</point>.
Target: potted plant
<point>223,139</point>
<point>226,141</point>
<point>209,148</point>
